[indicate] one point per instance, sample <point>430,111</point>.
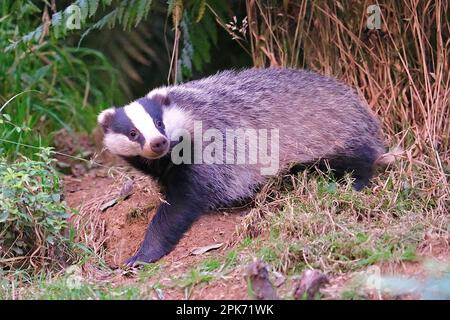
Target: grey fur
<point>318,117</point>
<point>319,120</point>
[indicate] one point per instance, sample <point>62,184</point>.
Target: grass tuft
<point>315,222</point>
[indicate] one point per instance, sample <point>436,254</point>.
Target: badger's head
<point>141,128</point>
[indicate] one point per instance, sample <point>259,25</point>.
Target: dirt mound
<point>125,222</point>
<point>114,226</point>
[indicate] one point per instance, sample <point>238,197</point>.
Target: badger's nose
<point>159,145</point>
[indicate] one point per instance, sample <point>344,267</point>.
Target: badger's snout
<point>155,148</point>
<point>159,145</point>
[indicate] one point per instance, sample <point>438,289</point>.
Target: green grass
<point>33,216</point>
<point>66,287</point>
<point>352,294</point>
<point>192,279</point>
<point>310,222</point>
<point>211,264</point>
<point>60,290</point>
<point>150,271</point>
<point>48,86</point>
<point>232,259</point>
<point>318,223</point>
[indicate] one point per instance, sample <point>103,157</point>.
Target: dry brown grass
<point>403,72</point>
<point>314,222</point>
<point>402,69</point>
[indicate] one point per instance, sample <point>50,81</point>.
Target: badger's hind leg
<point>359,165</point>
<point>360,170</point>
<point>361,178</point>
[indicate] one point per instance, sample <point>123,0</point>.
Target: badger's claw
<point>134,261</point>
<point>140,259</point>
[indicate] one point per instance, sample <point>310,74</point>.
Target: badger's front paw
<point>140,259</point>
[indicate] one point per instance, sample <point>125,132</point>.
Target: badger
<point>314,120</point>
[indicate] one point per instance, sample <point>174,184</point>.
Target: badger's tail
<point>389,157</point>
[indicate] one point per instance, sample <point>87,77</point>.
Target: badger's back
<point>318,116</point>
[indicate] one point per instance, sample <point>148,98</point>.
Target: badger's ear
<point>160,96</point>
<point>105,118</point>
<point>163,100</point>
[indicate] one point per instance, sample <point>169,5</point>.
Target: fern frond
<point>127,14</point>
<point>143,9</point>
<point>201,10</point>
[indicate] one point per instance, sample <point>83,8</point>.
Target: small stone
<point>257,277</point>
<point>309,284</point>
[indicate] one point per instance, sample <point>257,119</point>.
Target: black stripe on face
<point>123,125</point>
<point>154,109</point>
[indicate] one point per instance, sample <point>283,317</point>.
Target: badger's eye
<point>133,134</point>
<point>159,123</point>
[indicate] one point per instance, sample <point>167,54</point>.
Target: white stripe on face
<point>142,121</point>
<point>175,119</point>
<point>119,144</point>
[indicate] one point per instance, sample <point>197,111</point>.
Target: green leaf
<point>201,10</point>
<point>56,197</point>
<point>143,9</point>
<point>50,239</point>
<point>93,6</point>
<point>361,237</point>
<point>4,215</point>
